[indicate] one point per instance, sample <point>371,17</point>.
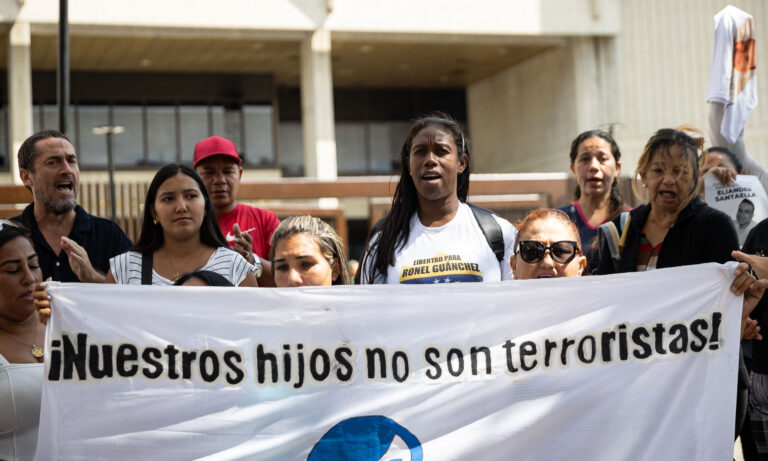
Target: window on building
<point>128,145</point>
<point>46,117</point>
<point>371,125</point>
<point>291,149</point>
<point>91,147</point>
<point>351,147</point>
<point>386,140</point>
<point>194,127</point>
<point>258,130</point>
<point>161,135</point>
<point>227,123</point>
<point>155,135</point>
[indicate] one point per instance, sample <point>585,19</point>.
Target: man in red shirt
<point>247,229</point>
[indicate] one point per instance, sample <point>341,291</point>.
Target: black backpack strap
<point>364,255</point>
<point>146,268</point>
<point>491,230</point>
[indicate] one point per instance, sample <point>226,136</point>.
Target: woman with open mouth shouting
<point>431,234</point>
<point>675,227</point>
<point>596,164</point>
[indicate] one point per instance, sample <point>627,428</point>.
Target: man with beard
<point>71,245</point>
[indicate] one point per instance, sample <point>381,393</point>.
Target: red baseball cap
<point>215,145</point>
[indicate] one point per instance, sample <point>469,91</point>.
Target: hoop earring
<point>154,221</point>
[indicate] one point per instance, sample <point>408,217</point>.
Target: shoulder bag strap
<point>624,220</point>
<point>146,268</point>
<point>615,241</point>
<point>491,230</point>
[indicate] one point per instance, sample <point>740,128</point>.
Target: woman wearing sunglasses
<point>548,245</point>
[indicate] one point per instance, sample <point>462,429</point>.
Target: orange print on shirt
<point>744,56</point>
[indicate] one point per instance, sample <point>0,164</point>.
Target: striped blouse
<point>126,268</point>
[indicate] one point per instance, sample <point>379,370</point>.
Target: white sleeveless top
<point>21,388</point>
<point>126,268</point>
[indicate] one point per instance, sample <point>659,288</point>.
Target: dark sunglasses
<point>532,251</point>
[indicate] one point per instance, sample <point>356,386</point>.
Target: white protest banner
<point>630,366</point>
<point>744,200</point>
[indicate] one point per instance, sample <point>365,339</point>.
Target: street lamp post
<point>109,130</point>
<point>63,69</point>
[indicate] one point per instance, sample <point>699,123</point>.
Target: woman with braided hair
<point>431,234</point>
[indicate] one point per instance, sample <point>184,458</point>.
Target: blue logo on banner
<point>367,438</point>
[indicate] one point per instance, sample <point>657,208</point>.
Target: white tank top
<point>21,387</point>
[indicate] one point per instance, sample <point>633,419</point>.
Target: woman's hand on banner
<point>759,264</point>
<point>42,301</point>
<point>752,296</point>
<point>742,279</point>
<point>750,330</point>
<point>745,284</point>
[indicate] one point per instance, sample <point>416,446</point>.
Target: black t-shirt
<point>757,243</point>
<point>102,239</point>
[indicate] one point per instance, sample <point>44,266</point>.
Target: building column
<point>317,120</point>
<point>19,92</point>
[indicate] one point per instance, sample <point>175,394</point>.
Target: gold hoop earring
<point>154,221</point>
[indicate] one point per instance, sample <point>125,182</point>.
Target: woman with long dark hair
<point>179,235</point>
<point>431,235</point>
<point>22,337</point>
<point>596,164</point>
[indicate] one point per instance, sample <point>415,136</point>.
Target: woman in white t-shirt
<point>179,235</point>
<point>431,235</point>
<point>22,338</point>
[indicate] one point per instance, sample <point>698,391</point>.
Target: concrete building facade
<point>652,73</point>
<point>323,88</point>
